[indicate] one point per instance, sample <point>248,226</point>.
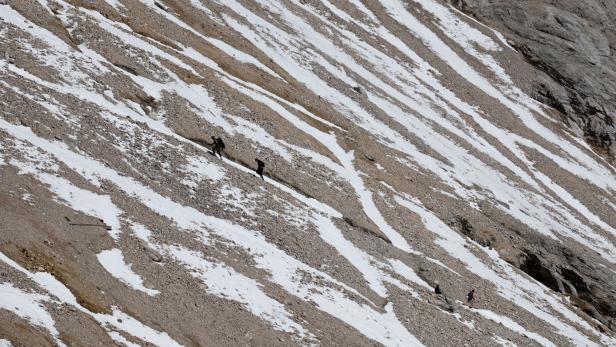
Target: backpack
<point>221,144</point>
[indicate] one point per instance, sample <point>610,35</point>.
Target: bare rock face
<point>589,287</point>
<point>573,42</point>
<point>572,273</point>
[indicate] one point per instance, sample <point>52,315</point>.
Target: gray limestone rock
<point>573,42</point>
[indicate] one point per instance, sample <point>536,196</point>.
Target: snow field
<point>28,306</point>
<point>406,88</point>
<point>514,327</point>
<point>512,286</point>
<point>382,327</point>
<point>482,175</point>
<point>63,295</point>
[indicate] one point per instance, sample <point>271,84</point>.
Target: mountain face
<point>405,144</point>
<point>573,43</point>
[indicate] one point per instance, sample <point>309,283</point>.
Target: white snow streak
<point>283,269</point>
<point>411,97</point>
<point>113,261</point>
<point>510,324</point>
<point>28,306</point>
<point>117,319</point>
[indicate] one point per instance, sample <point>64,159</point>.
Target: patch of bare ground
<point>21,333</point>
<point>33,246</point>
<point>288,88</point>
<point>41,16</point>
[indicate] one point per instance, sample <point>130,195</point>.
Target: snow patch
<point>117,319</point>
<point>28,306</point>
<point>223,281</point>
<point>241,56</point>
<point>116,336</point>
<point>113,261</point>
<point>241,201</point>
<point>513,326</point>
<point>503,342</point>
<point>408,273</point>
<point>36,162</point>
<point>198,169</point>
<point>117,4</point>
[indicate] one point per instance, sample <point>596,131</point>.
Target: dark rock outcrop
<point>573,43</point>
<point>589,287</point>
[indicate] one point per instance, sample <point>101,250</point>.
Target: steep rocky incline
<point>403,145</point>
<point>574,44</point>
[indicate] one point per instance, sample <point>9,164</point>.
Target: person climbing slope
<point>220,146</point>
<point>260,166</point>
<point>440,300</point>
<point>470,297</point>
<point>214,145</point>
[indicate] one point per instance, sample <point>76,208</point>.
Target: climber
<point>470,297</point>
<point>437,289</point>
<point>260,166</point>
<point>220,146</point>
<point>440,300</point>
<point>214,145</point>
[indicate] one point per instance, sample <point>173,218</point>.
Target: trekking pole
<point>107,227</point>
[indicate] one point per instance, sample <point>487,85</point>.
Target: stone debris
<point>402,149</point>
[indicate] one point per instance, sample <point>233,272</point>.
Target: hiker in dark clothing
<point>260,166</point>
<point>214,145</point>
<point>217,146</point>
<point>440,300</point>
<point>470,297</point>
<point>220,146</point>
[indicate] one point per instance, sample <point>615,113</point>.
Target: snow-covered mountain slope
<point>400,151</point>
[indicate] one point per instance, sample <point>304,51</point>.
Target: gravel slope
<point>402,149</point>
